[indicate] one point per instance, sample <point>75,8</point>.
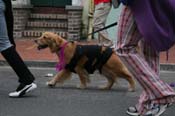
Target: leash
<point>109,26</point>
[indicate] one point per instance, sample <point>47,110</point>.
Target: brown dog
<point>76,57</point>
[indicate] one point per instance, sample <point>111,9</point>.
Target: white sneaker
<point>22,90</point>
<point>132,111</point>
<point>157,110</point>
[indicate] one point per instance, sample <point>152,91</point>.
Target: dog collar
<point>61,64</point>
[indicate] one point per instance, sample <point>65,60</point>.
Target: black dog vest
<point>96,58</point>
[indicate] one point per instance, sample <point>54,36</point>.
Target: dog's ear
<point>54,42</point>
<point>59,40</point>
<point>46,35</point>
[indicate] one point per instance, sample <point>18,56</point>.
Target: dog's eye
<point>44,37</point>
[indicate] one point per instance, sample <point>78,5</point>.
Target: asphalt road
<point>67,100</point>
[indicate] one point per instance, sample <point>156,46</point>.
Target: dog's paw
<point>81,86</point>
<point>49,84</point>
<point>131,89</point>
<point>104,87</point>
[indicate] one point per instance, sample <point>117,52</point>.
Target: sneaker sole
<point>161,112</point>
<point>164,109</point>
<point>132,114</point>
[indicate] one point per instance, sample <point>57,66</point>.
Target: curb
<point>52,64</point>
<point>48,64</point>
<point>167,67</point>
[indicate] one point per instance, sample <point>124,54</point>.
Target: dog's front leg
<point>59,77</point>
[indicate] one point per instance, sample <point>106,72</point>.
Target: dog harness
<point>96,57</point>
<point>61,64</point>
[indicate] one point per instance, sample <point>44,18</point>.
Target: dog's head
<point>51,40</point>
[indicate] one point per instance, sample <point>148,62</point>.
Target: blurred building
<point>33,17</point>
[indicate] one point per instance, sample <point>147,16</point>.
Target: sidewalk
<point>33,57</point>
<point>45,57</point>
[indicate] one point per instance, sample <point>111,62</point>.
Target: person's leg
<point>13,58</point>
<point>100,16</point>
<point>15,61</point>
<point>9,21</point>
<point>4,42</point>
<point>151,57</point>
<point>155,90</point>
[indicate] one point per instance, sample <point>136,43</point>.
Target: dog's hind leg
<point>109,83</point>
<point>127,75</point>
<point>110,78</point>
<point>83,77</point>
